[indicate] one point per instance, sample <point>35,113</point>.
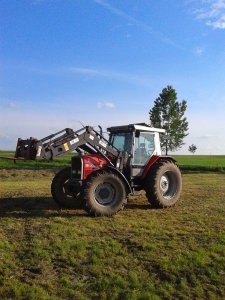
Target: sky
<point>64,63</point>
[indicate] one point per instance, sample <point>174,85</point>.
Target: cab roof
<point>134,127</point>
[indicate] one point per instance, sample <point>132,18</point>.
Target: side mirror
<point>137,134</point>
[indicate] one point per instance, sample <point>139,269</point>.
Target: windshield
<point>122,141</point>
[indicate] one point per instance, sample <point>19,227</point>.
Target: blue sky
<point>105,62</point>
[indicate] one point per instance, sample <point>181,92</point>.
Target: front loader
<point>104,172</point>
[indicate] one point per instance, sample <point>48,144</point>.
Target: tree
<point>192,148</point>
<point>168,113</point>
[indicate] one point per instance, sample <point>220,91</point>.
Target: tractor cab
<point>139,142</point>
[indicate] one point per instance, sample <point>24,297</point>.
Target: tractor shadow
<point>26,207</point>
<point>140,206</point>
<point>45,207</point>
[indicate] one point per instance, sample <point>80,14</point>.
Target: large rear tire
<point>163,185</point>
<point>64,192</point>
<point>104,194</point>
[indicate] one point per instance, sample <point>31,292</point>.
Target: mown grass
<point>140,253</point>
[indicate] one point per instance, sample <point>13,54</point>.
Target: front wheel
<point>104,194</point>
<point>64,191</point>
<point>163,185</point>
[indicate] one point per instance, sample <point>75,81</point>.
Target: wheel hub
<point>164,184</point>
<point>104,193</point>
<point>71,188</point>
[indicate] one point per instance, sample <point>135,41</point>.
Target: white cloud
<point>88,72</point>
<point>133,21</point>
<point>207,136</point>
<point>13,105</point>
<point>128,35</point>
<point>134,79</point>
<point>9,104</point>
<point>108,105</point>
<point>219,24</point>
<point>115,10</point>
<point>199,51</point>
<point>212,12</point>
<point>3,136</point>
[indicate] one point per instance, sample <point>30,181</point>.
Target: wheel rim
<point>168,185</point>
<point>104,193</point>
<point>164,183</point>
<point>66,189</point>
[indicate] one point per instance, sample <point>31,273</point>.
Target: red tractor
<point>105,171</point>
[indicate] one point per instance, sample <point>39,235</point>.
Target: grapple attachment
<point>26,149</point>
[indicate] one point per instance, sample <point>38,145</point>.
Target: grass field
<point>61,161</point>
<point>140,253</point>
<point>201,162</point>
<point>186,162</point>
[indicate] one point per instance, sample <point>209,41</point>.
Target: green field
<point>202,162</point>
<point>61,161</point>
<point>215,163</point>
<point>140,253</point>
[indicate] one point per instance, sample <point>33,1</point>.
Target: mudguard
<point>121,175</point>
<point>153,160</point>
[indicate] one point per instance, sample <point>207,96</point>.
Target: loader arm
<point>67,140</point>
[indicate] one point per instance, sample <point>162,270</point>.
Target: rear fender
<point>155,159</point>
<point>168,158</point>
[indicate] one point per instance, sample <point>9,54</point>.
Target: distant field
<point>62,161</point>
<point>201,162</point>
<point>186,162</point>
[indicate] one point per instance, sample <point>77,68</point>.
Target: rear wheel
<point>64,191</point>
<point>163,184</point>
<point>104,194</point>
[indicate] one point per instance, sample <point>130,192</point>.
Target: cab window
<point>122,141</point>
<point>144,147</point>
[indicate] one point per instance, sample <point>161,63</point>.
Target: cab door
<point>144,148</point>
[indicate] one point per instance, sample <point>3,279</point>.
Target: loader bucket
<point>26,149</point>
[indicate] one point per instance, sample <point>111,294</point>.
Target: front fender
<point>121,175</point>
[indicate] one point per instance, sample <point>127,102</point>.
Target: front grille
<point>77,168</point>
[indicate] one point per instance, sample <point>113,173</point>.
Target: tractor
<point>104,171</point>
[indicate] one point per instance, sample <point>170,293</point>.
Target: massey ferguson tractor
<point>103,172</point>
